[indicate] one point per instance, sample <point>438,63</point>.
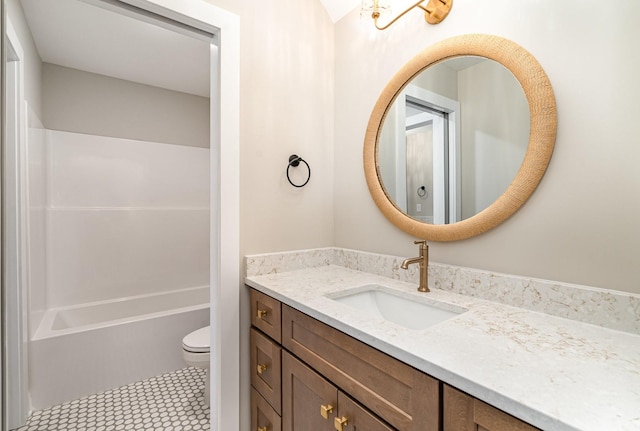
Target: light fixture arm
<point>434,12</point>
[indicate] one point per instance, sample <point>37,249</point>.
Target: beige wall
<point>84,102</point>
<point>72,100</point>
<point>286,107</point>
<point>581,224</point>
<point>495,133</point>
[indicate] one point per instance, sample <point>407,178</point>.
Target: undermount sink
<point>383,302</point>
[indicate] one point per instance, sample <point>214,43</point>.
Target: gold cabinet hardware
<point>265,428</point>
<point>261,368</point>
<point>340,423</point>
<point>326,410</point>
<point>262,314</point>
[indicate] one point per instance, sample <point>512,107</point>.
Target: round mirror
<point>460,137</point>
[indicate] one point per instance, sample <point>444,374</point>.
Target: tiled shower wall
<point>115,217</point>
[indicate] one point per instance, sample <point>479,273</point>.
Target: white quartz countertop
<point>555,373</point>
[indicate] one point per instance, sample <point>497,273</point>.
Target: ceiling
<point>95,36</point>
<point>339,8</point>
<point>80,35</point>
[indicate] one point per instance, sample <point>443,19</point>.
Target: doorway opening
<point>223,68</point>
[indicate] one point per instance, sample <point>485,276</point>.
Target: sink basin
<point>411,313</point>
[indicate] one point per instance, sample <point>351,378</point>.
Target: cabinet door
<point>263,417</point>
<point>265,368</point>
<point>353,417</point>
<point>462,412</point>
<point>306,398</point>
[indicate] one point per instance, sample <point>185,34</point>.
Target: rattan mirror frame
<point>542,136</point>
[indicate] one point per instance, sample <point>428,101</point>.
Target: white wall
<point>581,223</point>
<point>124,217</point>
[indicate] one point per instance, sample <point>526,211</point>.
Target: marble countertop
<point>554,373</point>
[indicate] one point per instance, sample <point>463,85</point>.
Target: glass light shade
<point>369,6</point>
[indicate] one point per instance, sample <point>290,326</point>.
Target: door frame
<point>225,187</point>
<point>452,108</point>
<point>15,235</point>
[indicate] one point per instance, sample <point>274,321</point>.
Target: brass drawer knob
<point>262,314</point>
<point>264,428</point>
<point>340,423</point>
<point>261,368</point>
<point>326,410</point>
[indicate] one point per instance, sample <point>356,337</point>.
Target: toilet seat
<point>197,341</point>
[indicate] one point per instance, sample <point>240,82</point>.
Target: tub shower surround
<point>119,252</point>
<point>72,362</point>
<point>602,307</point>
<point>124,218</point>
<point>556,373</point>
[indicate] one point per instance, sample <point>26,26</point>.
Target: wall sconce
<point>435,11</point>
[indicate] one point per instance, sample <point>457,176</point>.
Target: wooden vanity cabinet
<point>266,368</point>
<point>462,412</point>
<point>402,396</point>
<point>304,370</point>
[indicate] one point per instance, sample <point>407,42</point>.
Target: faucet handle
<point>423,242</point>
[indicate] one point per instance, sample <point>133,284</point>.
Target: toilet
<point>196,353</point>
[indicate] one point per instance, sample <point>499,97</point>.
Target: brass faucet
<point>423,260</point>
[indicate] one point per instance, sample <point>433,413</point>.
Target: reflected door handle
<point>262,314</point>
<point>265,428</point>
<point>261,368</point>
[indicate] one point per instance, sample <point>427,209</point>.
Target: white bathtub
<point>89,348</point>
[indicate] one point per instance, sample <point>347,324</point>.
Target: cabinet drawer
<point>402,396</point>
<point>263,417</point>
<point>266,315</point>
<point>266,368</point>
<point>462,412</point>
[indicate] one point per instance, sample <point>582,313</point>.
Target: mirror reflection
<point>453,140</point>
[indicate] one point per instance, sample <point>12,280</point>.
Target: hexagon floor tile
<point>170,402</point>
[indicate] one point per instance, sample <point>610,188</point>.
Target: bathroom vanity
<point>319,378</point>
<point>321,361</point>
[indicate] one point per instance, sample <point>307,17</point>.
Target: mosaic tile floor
<point>170,402</point>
